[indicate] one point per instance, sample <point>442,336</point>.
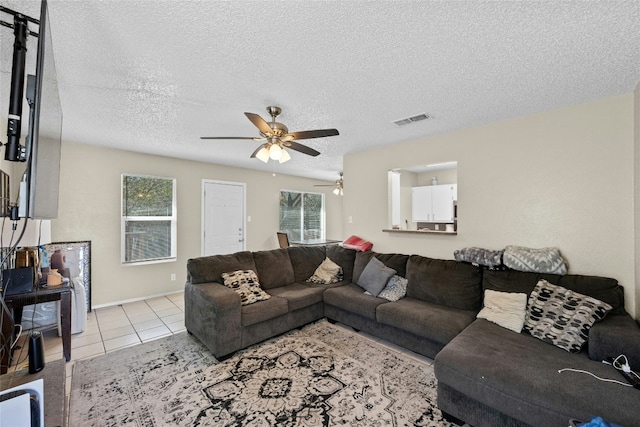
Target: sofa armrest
<point>615,335</point>
<point>213,315</point>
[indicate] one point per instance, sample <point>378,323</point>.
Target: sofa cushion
<point>396,261</point>
<point>375,276</point>
<point>615,335</point>
<point>298,295</point>
<point>351,298</point>
<point>562,317</point>
<point>507,309</point>
<point>515,281</point>
<point>344,258</point>
<point>433,321</point>
<point>274,268</point>
<point>603,288</point>
<point>210,268</point>
<point>263,310</point>
<point>305,260</point>
<point>446,282</point>
<point>327,273</point>
<point>245,283</point>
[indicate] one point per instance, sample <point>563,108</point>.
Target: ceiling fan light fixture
<point>275,152</point>
<point>263,154</point>
<point>336,191</point>
<point>285,156</point>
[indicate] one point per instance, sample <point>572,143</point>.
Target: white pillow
<point>505,309</point>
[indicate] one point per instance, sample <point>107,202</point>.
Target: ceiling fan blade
<point>232,137</point>
<point>308,134</point>
<point>259,123</point>
<point>301,148</point>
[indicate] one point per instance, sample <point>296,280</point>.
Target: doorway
<point>223,213</point>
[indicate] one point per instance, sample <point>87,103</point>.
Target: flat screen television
<point>43,143</point>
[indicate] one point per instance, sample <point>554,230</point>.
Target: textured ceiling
<point>154,76</point>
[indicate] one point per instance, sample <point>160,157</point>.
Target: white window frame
<point>173,218</point>
<point>323,216</point>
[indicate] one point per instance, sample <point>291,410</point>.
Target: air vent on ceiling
<point>413,119</point>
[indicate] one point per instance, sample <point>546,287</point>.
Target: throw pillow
<point>545,260</point>
<point>562,317</point>
<point>328,272</point>
<point>395,289</point>
<point>375,276</point>
<point>245,283</point>
<point>505,309</point>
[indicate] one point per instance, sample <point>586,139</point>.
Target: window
<point>148,219</point>
<point>302,215</point>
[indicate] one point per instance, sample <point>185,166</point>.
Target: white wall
<point>562,178</point>
<point>90,210</point>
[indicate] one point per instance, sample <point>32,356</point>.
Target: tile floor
<point>112,328</point>
<point>109,329</point>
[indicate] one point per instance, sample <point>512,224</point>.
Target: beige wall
<point>90,210</point>
<point>562,178</point>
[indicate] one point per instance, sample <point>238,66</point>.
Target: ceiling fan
<point>278,137</point>
<point>339,186</point>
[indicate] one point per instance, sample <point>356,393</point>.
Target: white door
<point>222,217</point>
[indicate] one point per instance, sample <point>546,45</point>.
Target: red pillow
<point>357,243</point>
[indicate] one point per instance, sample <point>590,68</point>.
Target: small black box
<point>17,280</point>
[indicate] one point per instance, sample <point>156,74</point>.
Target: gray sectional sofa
<point>487,375</point>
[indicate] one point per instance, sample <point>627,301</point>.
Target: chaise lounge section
<point>489,375</point>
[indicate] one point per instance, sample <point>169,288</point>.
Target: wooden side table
<point>39,295</point>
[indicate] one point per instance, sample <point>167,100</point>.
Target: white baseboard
<point>111,304</point>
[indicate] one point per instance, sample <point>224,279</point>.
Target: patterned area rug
<point>322,375</point>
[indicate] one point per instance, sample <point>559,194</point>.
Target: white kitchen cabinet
<point>421,206</point>
<point>433,203</point>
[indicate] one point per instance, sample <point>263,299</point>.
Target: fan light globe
<point>263,155</point>
<point>336,191</point>
<point>275,152</point>
<point>285,156</point>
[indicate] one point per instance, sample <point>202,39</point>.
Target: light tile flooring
<point>112,328</point>
<point>109,329</point>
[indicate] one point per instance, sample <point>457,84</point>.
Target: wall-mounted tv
<point>43,144</point>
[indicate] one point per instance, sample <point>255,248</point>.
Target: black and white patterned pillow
<point>245,283</point>
<point>396,288</point>
<point>562,317</point>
